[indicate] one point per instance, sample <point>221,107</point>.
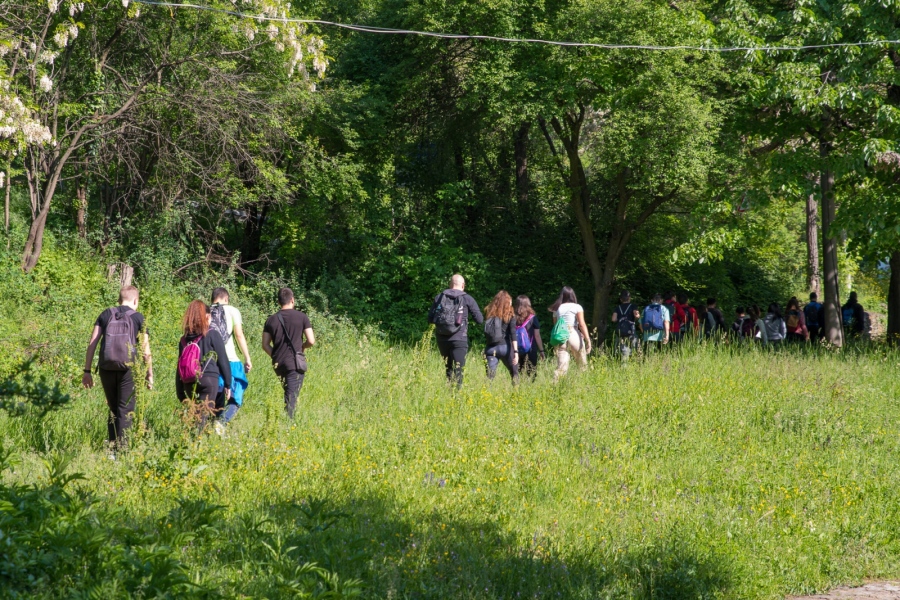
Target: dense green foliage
<point>522,166</point>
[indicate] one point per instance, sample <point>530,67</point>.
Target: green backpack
<point>560,333</point>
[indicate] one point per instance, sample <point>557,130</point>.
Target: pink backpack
<point>189,370</point>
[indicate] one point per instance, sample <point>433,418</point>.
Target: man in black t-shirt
<point>283,338</point>
<point>116,370</point>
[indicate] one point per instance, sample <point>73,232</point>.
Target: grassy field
<point>699,473</point>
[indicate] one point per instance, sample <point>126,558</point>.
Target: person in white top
<point>234,330</point>
<point>567,308</point>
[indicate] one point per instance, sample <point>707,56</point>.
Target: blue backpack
<point>522,337</point>
<point>653,318</point>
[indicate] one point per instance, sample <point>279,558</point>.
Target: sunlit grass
<point>701,472</point>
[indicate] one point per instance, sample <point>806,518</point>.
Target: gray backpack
<point>119,342</point>
<point>493,331</point>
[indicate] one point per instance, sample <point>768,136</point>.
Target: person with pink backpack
<point>202,359</point>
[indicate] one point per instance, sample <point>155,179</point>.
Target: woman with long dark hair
<point>528,335</point>
<point>500,335</point>
<point>776,330</point>
<point>567,308</point>
<point>199,381</point>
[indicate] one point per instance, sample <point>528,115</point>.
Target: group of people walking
<point>671,318</point>
<point>512,329</point>
<point>213,377</point>
<point>210,376</point>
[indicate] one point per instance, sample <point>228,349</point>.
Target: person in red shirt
<point>691,320</point>
<point>678,316</point>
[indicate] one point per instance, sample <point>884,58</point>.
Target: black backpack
<point>218,322</point>
<point>811,312</point>
<point>493,331</point>
<point>119,341</point>
<point>624,323</point>
<point>447,314</point>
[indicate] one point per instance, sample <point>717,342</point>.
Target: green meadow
<point>702,472</point>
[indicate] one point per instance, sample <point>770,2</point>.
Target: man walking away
<point>853,316</point>
<point>715,320</point>
<point>814,320</point>
<point>737,328</point>
<point>626,317</point>
<point>286,336</point>
<point>655,322</point>
<point>691,322</point>
<point>117,330</point>
<point>450,314</point>
<point>678,316</point>
<point>227,321</point>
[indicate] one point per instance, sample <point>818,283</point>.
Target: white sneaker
<point>219,428</point>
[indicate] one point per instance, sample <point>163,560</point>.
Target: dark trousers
<point>454,353</point>
<point>500,353</point>
<point>528,362</point>
<point>118,386</point>
<point>815,332</point>
<point>291,382</point>
<point>203,392</point>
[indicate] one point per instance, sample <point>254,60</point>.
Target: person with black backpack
<point>813,312</point>
<point>738,326</point>
<point>286,336</point>
<point>626,317</point>
<point>715,320</point>
<point>500,341</point>
<point>202,359</point>
<point>655,321</point>
<point>117,330</point>
<point>450,313</point>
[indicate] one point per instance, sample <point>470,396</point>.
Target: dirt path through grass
<point>870,591</point>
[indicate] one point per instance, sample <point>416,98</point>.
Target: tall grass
<point>700,472</point>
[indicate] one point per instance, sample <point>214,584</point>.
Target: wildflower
<point>45,83</point>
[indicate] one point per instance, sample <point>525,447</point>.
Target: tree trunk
<point>80,222</point>
<point>812,244</point>
<point>579,200</point>
<point>251,249</point>
<point>35,242</point>
<point>521,154</point>
<point>893,304</point>
<point>833,328</point>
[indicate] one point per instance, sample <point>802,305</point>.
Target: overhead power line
<point>494,38</point>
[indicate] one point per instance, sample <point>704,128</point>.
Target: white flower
<point>45,83</point>
<point>2,177</point>
<point>61,38</point>
<point>53,5</point>
<point>125,3</point>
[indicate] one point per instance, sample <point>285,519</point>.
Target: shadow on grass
<point>445,556</point>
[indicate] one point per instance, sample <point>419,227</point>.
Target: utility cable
<point>494,38</point>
